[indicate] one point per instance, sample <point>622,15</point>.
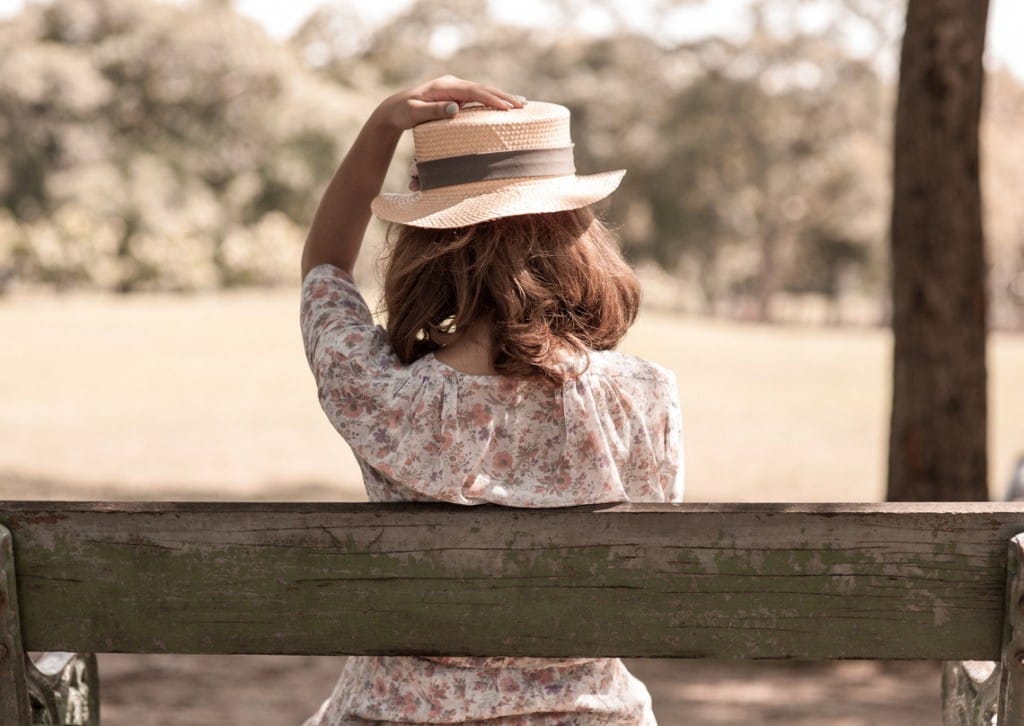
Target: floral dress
<point>428,432</point>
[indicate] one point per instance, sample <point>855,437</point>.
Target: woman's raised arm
<point>344,210</point>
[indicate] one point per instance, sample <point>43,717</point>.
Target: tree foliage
<point>147,145</point>
<point>738,155</point>
<point>150,146</point>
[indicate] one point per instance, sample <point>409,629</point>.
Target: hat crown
<point>484,164</point>
<point>481,130</point>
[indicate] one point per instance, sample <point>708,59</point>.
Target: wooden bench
<point>877,581</point>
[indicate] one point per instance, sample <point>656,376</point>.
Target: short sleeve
<point>354,365</point>
<point>671,473</point>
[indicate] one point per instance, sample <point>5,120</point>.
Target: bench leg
<point>970,692</point>
<point>1011,691</point>
<point>64,688</point>
<point>14,703</point>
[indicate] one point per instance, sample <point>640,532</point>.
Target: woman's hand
<point>344,211</point>
<point>440,98</point>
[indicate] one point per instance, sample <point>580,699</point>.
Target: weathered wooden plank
<point>14,703</point>
<point>751,581</point>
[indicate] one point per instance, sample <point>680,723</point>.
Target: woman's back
<point>429,432</point>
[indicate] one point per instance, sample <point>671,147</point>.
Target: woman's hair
<point>549,284</point>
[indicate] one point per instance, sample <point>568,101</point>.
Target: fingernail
<point>452,108</point>
<point>521,99</point>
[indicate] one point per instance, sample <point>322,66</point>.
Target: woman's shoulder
<point>614,364</point>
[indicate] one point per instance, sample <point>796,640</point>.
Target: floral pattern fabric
<point>428,432</point>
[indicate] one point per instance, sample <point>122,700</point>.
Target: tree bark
<point>938,436</point>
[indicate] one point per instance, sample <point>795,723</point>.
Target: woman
<point>495,380</point>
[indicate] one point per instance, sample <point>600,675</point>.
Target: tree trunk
<point>938,437</point>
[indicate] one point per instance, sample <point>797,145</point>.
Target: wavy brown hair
<point>550,284</point>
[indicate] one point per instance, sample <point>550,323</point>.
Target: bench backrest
<point>878,581</point>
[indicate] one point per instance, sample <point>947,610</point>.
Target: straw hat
<point>484,164</point>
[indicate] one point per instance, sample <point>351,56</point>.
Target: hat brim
<point>466,204</point>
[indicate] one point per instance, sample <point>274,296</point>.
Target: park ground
<point>208,397</point>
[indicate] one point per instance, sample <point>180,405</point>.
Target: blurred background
<point>159,163</point>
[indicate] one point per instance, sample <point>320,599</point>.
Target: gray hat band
<point>470,168</point>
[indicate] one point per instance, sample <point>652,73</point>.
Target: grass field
<point>209,397</point>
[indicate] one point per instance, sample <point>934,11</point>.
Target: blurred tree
<point>184,138</point>
<point>415,44</point>
<point>937,446</point>
<point>729,148</point>
<point>824,259</point>
<point>757,147</point>
<point>166,129</point>
<point>1002,179</point>
<point>1015,284</point>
